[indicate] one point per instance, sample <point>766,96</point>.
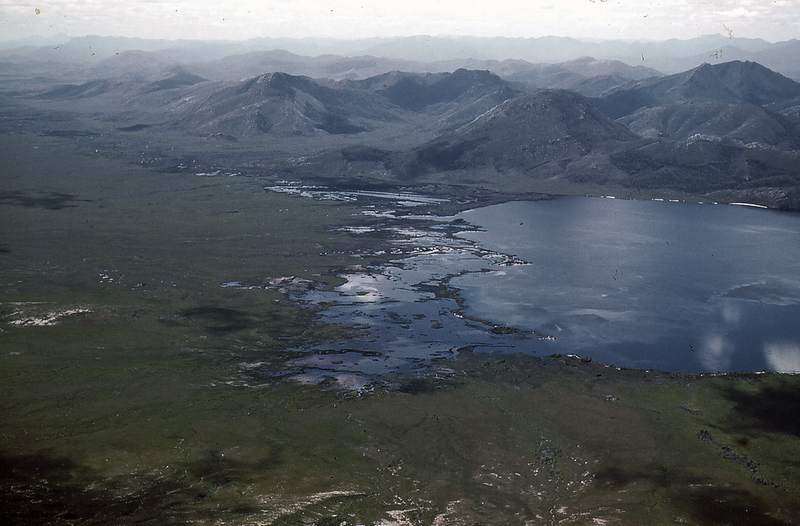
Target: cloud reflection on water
<point>673,285</point>
<point>716,352</point>
<point>783,357</point>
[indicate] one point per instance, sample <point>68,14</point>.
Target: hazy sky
<point>772,20</point>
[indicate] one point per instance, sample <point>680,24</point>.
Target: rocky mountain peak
<point>273,84</point>
<point>732,82</point>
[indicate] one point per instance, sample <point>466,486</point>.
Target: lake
<point>672,286</point>
<point>660,285</point>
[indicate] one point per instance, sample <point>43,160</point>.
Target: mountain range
<point>727,131</point>
<point>408,53</point>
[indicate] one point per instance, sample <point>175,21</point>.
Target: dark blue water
<point>641,284</point>
<point>672,286</point>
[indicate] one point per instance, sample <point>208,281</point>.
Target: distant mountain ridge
<point>668,57</point>
<point>728,82</point>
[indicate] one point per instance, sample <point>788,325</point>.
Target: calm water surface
<point>673,286</point>
<point>642,284</point>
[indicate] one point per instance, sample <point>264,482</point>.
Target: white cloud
<point>739,12</point>
<point>654,20</point>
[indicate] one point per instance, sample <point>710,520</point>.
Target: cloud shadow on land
<point>222,320</point>
<point>44,489</point>
<point>704,503</point>
<point>713,505</point>
<point>773,407</point>
<point>48,201</point>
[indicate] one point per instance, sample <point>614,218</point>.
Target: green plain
<point>136,411</point>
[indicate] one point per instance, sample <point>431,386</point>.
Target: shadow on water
<point>772,406</point>
<point>47,201</point>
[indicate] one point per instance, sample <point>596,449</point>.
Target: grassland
<point>120,401</point>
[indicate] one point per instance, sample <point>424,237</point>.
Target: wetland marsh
<point>160,355</point>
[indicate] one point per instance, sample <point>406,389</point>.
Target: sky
<point>772,20</point>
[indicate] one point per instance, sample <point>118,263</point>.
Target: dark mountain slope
<point>124,89</point>
<point>415,92</point>
<point>440,102</point>
<point>93,88</point>
<point>282,104</point>
<point>789,109</point>
<point>179,77</point>
<point>526,133</point>
<point>138,102</point>
<point>731,82</point>
<point>740,123</point>
<point>701,167</point>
